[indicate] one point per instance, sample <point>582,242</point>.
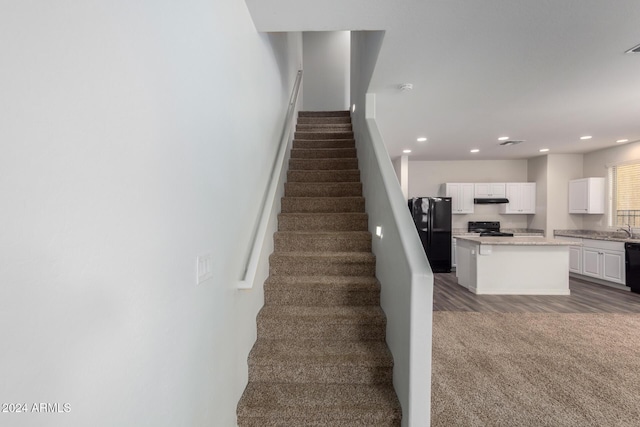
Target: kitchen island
<point>526,265</point>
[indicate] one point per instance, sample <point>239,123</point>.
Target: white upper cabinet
<point>461,194</point>
<point>522,198</point>
<point>586,196</point>
<point>483,190</point>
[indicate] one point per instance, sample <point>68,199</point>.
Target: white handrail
<point>262,222</point>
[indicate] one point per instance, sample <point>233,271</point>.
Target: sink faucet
<point>627,230</point>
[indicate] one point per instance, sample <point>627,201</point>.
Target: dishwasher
<point>632,265</point>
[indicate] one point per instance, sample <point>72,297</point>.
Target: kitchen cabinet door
<point>522,198</point>
<point>586,196</point>
<point>613,266</point>
<point>575,259</point>
<point>483,190</point>
<point>461,197</point>
<point>591,262</point>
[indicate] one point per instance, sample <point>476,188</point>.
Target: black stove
<point>487,228</point>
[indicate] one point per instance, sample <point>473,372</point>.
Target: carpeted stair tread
<point>336,322</point>
<point>321,352</point>
<point>322,241</point>
<point>310,127</point>
<point>322,290</point>
<point>339,315</point>
<point>320,282</point>
<point>337,113</point>
<point>322,204</point>
<point>323,153</point>
<point>334,405</point>
<point>324,189</point>
<point>323,120</point>
<point>323,143</point>
<point>322,263</point>
<point>321,361</point>
<point>323,164</point>
<point>323,135</point>
<point>347,175</point>
<point>349,221</point>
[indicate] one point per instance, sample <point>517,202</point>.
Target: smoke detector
<point>511,142</point>
<point>406,86</point>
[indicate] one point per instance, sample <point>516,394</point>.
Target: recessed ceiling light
<point>422,139</point>
<point>475,150</point>
<point>586,137</point>
<point>406,151</point>
<point>544,150</point>
<point>503,138</point>
<point>620,141</point>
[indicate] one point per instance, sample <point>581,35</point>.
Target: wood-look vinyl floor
<point>585,298</point>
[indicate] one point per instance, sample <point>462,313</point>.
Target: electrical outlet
<point>204,268</point>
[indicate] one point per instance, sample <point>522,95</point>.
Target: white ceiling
<point>545,71</point>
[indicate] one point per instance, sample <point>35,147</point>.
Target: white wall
<point>134,137</point>
<point>562,168</point>
<point>327,60</point>
<point>552,173</point>
<point>427,177</point>
<point>537,172</point>
<point>596,163</point>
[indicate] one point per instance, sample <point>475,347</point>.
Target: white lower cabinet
<point>575,259</point>
<point>603,260</point>
<point>600,259</point>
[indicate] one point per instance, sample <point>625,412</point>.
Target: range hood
<point>490,201</point>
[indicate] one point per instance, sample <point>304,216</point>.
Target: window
<point>625,194</point>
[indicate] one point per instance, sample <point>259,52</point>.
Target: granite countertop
<point>613,236</point>
<point>516,231</point>
<point>518,241</point>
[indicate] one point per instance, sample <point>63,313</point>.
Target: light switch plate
<point>204,268</point>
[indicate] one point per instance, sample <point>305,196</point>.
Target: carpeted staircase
<point>321,358</point>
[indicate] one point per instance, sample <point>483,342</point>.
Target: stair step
<point>321,127</point>
<point>323,164</point>
<point>322,241</point>
<point>322,290</point>
<point>324,120</point>
<point>317,361</point>
<point>341,113</point>
<point>323,135</point>
<point>324,143</point>
<point>351,221</point>
<point>323,153</point>
<point>322,263</point>
<point>322,204</point>
<point>316,405</point>
<point>347,175</point>
<point>323,189</point>
<point>350,323</point>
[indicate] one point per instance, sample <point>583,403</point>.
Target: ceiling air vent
<point>635,49</point>
<point>510,142</point>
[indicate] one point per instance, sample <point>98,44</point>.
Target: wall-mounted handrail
<point>262,221</point>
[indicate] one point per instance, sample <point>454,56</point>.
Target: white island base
<point>513,265</point>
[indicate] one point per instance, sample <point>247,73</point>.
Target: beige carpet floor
<point>535,369</point>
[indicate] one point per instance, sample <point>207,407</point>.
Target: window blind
<point>625,181</point>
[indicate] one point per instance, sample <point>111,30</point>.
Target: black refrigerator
<point>432,217</point>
